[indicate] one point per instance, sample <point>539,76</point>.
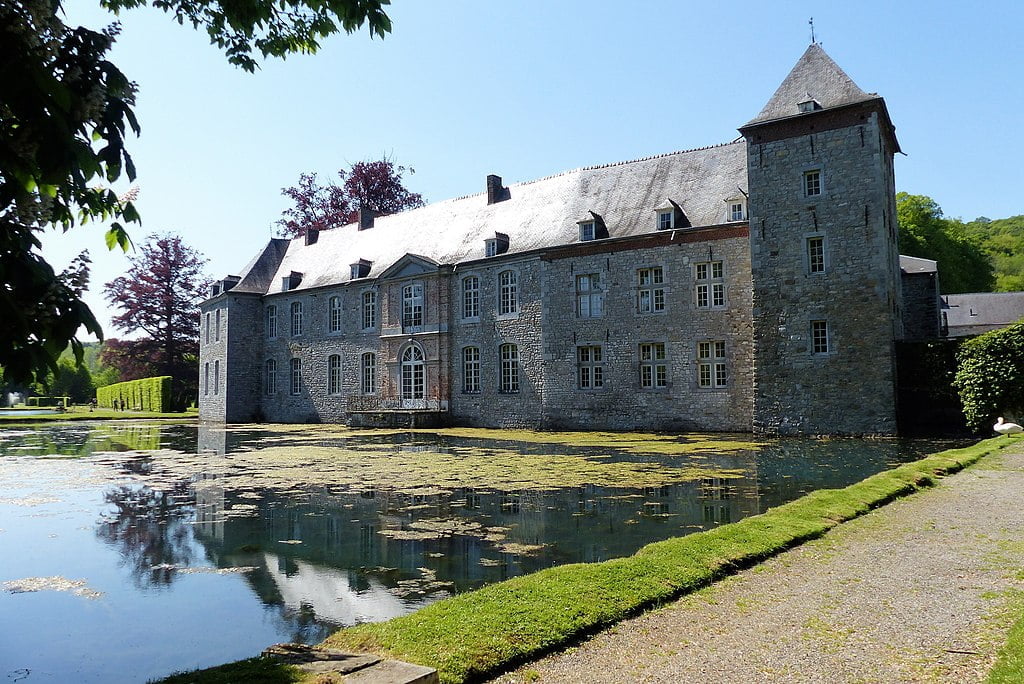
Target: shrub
<point>145,394</point>
<point>990,375</point>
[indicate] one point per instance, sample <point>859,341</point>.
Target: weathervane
<point>811,22</point>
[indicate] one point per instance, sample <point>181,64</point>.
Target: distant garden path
<point>919,590</point>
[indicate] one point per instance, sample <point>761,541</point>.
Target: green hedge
<point>48,401</point>
<point>990,377</point>
<point>147,394</point>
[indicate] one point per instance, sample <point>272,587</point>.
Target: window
<point>710,285</point>
<point>508,296</point>
<point>206,376</point>
<point>819,337</point>
<point>650,296</point>
<point>590,367</point>
<point>334,374</point>
<point>296,319</point>
<point>490,247</point>
<point>509,354</point>
<point>588,231</point>
<point>666,219</point>
<point>270,378</point>
<point>816,254</point>
<point>207,328</point>
<point>271,323</point>
<point>216,328</point>
<point>470,297</point>
<point>711,364</point>
<point>296,375</point>
<point>369,309</point>
<point>413,379</point>
<point>653,365</point>
<point>589,296</point>
<point>736,210</point>
<point>412,306</point>
<point>369,373</point>
<point>216,377</point>
<point>471,369</point>
<point>334,314</point>
<point>812,183</point>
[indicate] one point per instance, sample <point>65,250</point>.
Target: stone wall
<point>921,315</point>
<point>850,388</point>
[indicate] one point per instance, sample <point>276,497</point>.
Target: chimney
<point>312,235</point>
<point>496,192</point>
<point>366,216</point>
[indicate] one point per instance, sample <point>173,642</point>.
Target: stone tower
<point>824,255</point>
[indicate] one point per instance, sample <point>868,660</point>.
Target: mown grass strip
<point>1009,667</point>
<point>470,636</point>
<point>78,413</point>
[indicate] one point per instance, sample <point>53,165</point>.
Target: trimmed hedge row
<point>146,394</point>
<point>48,401</point>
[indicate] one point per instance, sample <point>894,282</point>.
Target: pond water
<point>27,412</point>
<point>130,550</point>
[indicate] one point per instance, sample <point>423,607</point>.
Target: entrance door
<point>413,390</point>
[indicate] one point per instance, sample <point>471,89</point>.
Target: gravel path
<point>917,591</point>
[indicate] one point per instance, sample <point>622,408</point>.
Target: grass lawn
<point>83,413</point>
<point>472,635</point>
<point>1009,667</point>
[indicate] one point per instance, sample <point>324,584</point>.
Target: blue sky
<point>525,89</point>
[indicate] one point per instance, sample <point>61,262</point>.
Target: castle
<point>749,286</point>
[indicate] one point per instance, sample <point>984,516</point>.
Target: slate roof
<point>258,274</point>
<point>538,214</point>
<point>815,77</point>
<point>967,314</point>
<point>909,264</point>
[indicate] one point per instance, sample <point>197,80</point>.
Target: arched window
<point>509,354</point>
<point>334,374</point>
<point>334,315</point>
<point>270,377</point>
<point>508,294</point>
<point>296,319</point>
<point>471,297</point>
<point>369,372</point>
<point>412,374</point>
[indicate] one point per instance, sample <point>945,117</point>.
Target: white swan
<point>1006,428</point>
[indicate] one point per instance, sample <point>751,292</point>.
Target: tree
<point>70,380</point>
<point>375,185</point>
<point>926,233</point>
<point>64,112</point>
<point>159,297</point>
<point>1003,241</point>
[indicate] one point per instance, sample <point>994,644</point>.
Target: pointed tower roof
<point>817,80</point>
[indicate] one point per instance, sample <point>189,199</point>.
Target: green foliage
<point>1003,241</point>
<point>926,233</point>
<point>472,635</point>
<point>252,671</point>
<point>990,376</point>
<point>71,380</point>
<point>44,402</point>
<point>146,394</point>
<point>1009,667</point>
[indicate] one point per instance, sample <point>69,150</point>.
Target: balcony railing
<point>359,403</point>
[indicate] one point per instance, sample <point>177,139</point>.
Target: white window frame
<point>270,377</point>
<point>589,296</point>
<point>821,344</point>
<point>650,293</point>
<point>471,297</point>
<point>508,355</point>
<point>216,327</point>
<point>491,247</point>
<point>471,369</point>
<point>334,376</point>
<point>666,219</point>
<point>296,319</point>
<point>813,183</point>
<point>709,284</point>
<point>712,372</point>
<point>589,367</point>
<point>208,316</point>
<point>368,373</point>
<point>736,210</point>
<point>412,306</point>
<point>271,322</point>
<point>653,365</point>
<point>295,376</point>
<point>588,231</point>
<point>369,312</point>
<point>335,314</point>
<point>815,250</point>
<point>508,292</point>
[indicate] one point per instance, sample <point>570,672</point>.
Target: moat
<point>131,550</point>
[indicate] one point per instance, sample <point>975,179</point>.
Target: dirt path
<point>919,590</point>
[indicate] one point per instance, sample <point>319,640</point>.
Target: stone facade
<point>629,296</point>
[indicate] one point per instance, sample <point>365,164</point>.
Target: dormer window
<point>291,281</point>
<point>666,219</point>
<point>360,269</point>
<point>496,245</point>
<point>810,105</point>
<point>736,209</point>
<point>588,231</point>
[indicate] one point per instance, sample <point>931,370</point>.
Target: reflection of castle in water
<point>374,553</point>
